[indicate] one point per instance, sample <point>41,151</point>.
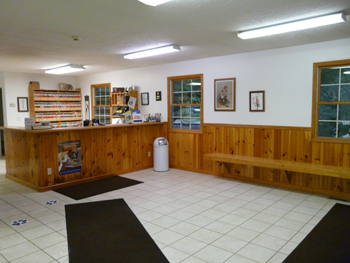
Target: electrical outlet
<point>49,171</point>
<point>149,154</point>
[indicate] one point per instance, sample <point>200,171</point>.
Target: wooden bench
<point>284,166</point>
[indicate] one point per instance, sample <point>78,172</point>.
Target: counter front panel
<point>33,159</point>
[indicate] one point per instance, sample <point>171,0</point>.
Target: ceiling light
<point>346,72</point>
<point>65,69</point>
<point>153,52</point>
<point>293,26</point>
<point>154,2</point>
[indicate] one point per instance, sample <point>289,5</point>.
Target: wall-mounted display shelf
<point>61,108</point>
<point>119,101</point>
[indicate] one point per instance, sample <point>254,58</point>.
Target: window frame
<point>170,104</point>
<point>316,99</point>
<point>93,88</point>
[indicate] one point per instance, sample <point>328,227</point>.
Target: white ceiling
<point>36,34</point>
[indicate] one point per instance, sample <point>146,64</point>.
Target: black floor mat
<point>108,231</point>
<point>85,190</point>
<point>328,242</point>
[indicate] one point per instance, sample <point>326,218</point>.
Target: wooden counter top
<point>14,128</point>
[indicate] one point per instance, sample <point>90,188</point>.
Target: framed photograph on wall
<point>145,98</point>
<point>158,95</point>
<point>22,104</point>
<point>225,94</point>
<point>257,101</point>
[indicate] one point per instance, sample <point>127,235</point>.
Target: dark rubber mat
<point>85,190</point>
<point>328,242</point>
<point>108,231</point>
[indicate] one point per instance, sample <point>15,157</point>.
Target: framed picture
<point>145,98</point>
<point>225,94</point>
<point>158,95</point>
<point>62,86</point>
<point>257,100</point>
<point>22,104</point>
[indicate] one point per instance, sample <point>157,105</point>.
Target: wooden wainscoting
<point>285,143</point>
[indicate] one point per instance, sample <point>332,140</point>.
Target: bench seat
<point>309,168</point>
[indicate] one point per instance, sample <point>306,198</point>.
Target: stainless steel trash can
<point>161,155</point>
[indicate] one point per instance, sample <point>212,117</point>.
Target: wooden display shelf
<point>38,97</point>
<point>58,99</point>
<point>56,109</point>
<point>117,99</point>
<point>59,119</point>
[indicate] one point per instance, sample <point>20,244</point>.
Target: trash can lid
<point>160,141</point>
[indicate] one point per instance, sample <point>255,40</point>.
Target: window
<point>185,103</point>
<point>101,103</point>
<point>331,111</point>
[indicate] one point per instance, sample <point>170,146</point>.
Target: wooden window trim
<point>94,86</point>
<point>185,77</point>
<point>315,99</point>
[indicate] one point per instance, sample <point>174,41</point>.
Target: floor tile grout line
<point>248,188</point>
<point>28,240</point>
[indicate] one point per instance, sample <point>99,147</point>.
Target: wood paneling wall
<point>104,152</point>
<point>285,143</point>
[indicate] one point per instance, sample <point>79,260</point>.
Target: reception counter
<point>36,158</point>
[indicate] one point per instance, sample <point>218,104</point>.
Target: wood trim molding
<point>185,77</point>
<point>255,126</point>
<point>315,81</point>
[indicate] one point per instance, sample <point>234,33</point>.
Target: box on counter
<point>28,123</point>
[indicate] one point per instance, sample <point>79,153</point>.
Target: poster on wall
<point>69,157</point>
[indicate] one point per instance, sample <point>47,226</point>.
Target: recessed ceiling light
<point>293,26</point>
<point>153,52</point>
<point>65,69</point>
<point>154,2</point>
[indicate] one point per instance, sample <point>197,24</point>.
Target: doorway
<point>2,148</point>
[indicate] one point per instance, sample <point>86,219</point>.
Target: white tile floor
<point>192,217</point>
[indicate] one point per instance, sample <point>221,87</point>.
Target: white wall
<point>16,85</point>
<point>285,74</point>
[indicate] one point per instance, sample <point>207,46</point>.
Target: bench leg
<point>227,166</point>
<point>287,174</point>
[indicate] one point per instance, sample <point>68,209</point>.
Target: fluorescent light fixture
<point>346,72</point>
<point>293,26</point>
<point>153,52</point>
<point>65,69</point>
<point>154,2</point>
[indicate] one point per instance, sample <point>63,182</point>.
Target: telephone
<point>95,122</point>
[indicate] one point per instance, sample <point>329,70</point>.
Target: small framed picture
<point>257,101</point>
<point>22,104</point>
<point>62,86</point>
<point>158,95</point>
<point>225,94</point>
<point>145,98</point>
